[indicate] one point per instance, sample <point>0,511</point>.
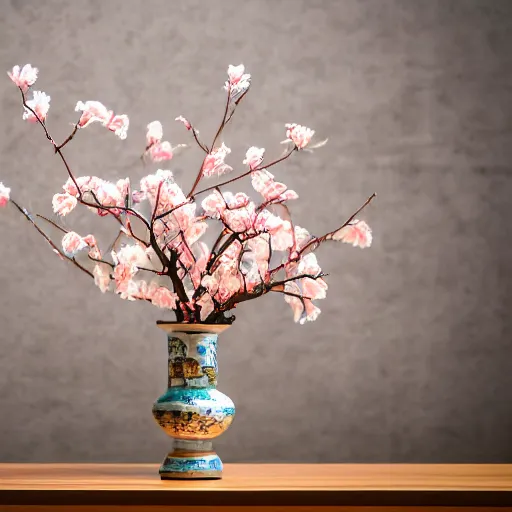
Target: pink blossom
<point>39,104</point>
<point>149,184</point>
<point>96,111</point>
<point>123,274</point>
<point>123,186</point>
<point>185,122</point>
<point>63,203</point>
<point>94,251</point>
<point>229,284</point>
<point>238,83</point>
<point>164,298</point>
<point>254,157</point>
<point>311,312</point>
<point>92,111</point>
<point>299,135</point>
<point>211,283</point>
<point>195,231</point>
<point>205,302</point>
<point>4,194</point>
<point>314,288</point>
<point>108,194</point>
<point>229,258</point>
<point>72,243</point>
<point>280,230</point>
<point>235,73</point>
<point>257,255</point>
<point>357,233</point>
<point>294,302</point>
<point>213,204</point>
<point>214,162</point>
<point>263,182</point>
<point>155,133</point>
<point>240,219</point>
<point>308,264</point>
<point>118,125</point>
<point>145,290</point>
<point>238,200</point>
<point>24,77</point>
<point>138,196</point>
<point>101,277</point>
<point>160,151</point>
<point>128,290</point>
<point>302,237</point>
<point>85,183</point>
<point>133,255</point>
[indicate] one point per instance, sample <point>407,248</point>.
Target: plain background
<point>411,357</point>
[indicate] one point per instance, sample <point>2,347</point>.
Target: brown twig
<point>29,217</point>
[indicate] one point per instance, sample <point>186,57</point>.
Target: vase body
<point>192,410</point>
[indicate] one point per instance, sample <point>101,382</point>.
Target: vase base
<point>191,476</point>
<point>191,461</point>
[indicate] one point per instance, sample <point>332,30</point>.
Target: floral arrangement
<point>158,255</point>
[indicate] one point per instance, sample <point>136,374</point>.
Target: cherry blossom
<point>214,204</point>
<point>161,151</point>
<point>123,186</point>
<point>123,274</point>
<point>311,312</point>
<point>133,255</point>
<point>238,83</point>
<point>158,150</point>
<point>72,243</point>
<point>308,264</point>
<point>4,194</point>
<point>263,182</point>
<point>195,231</point>
<point>119,125</point>
<point>281,232</point>
<point>24,77</point>
<point>294,300</point>
<point>38,105</point>
<point>164,298</point>
<point>357,233</point>
<point>214,162</point>
<point>255,247</point>
<point>314,288</point>
<point>299,135</point>
<point>240,219</point>
<point>92,111</point>
<point>95,111</point>
<point>254,157</point>
<point>185,122</point>
<point>235,73</point>
<point>155,132</point>
<point>101,277</point>
<point>63,203</point>
<point>94,251</point>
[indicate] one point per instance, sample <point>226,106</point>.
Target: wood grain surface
<point>257,485</point>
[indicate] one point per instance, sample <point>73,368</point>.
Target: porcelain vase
<point>192,410</point>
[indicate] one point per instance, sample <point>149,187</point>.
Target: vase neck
<point>192,360</point>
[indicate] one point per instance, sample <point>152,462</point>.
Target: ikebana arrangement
<point>158,256</point>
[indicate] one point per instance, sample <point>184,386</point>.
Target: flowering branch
<point>199,284</point>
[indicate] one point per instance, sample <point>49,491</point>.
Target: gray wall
<point>411,358</point>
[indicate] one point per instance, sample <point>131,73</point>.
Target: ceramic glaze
<point>192,410</point>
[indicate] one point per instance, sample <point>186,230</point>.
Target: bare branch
<point>29,217</point>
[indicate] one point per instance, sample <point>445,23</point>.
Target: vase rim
<point>197,328</point>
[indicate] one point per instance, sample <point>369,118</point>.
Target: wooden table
<point>257,487</point>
